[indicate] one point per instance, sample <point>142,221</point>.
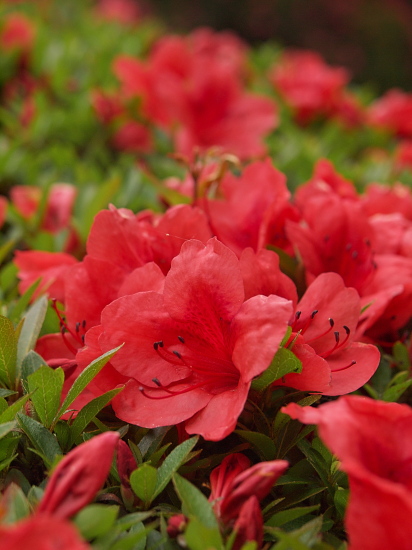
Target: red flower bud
<point>79,476</point>
<point>249,524</point>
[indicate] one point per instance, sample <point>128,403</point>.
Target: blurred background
<point>373,38</point>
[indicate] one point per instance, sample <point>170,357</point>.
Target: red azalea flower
<point>193,88</point>
<point>387,199</point>
<point>334,236</point>
<point>59,207</point>
<point>41,532</point>
<point>308,84</point>
<point>78,477</point>
<point>393,112</point>
<point>192,351</point>
<point>371,439</point>
<point>3,209</point>
<point>17,33</point>
<point>258,203</point>
<point>123,11</point>
<point>51,267</point>
<point>322,338</point>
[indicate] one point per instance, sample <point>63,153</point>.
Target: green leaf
<point>10,412</point>
<point>394,392</point>
<point>30,364</point>
<point>19,307</point>
<point>31,328</point>
<point>263,444</point>
<point>89,411</point>
<point>340,498</point>
<point>285,516</point>
<point>200,537</point>
<point>195,504</point>
<point>284,362</point>
<point>17,505</point>
<point>46,384</point>
<point>84,378</point>
<point>8,353</point>
<point>41,438</point>
<point>5,393</point>
<point>96,520</point>
<point>172,463</point>
<point>401,355</point>
<point>143,482</point>
<point>6,428</point>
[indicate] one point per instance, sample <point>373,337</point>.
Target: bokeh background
<point>373,38</point>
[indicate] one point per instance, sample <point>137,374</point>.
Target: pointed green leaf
<point>199,537</point>
<point>31,328</point>
<point>5,393</point>
<point>7,427</point>
<point>263,444</point>
<point>143,482</point>
<point>96,520</point>
<point>10,413</point>
<point>46,384</point>
<point>84,378</point>
<point>89,411</point>
<point>20,306</point>
<point>284,362</point>
<point>8,353</point>
<point>41,439</point>
<point>285,516</point>
<point>195,504</point>
<point>30,364</point>
<point>172,463</point>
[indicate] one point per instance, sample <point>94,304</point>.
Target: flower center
<point>211,373</point>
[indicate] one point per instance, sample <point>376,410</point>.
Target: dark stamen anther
<point>354,254</point>
<point>337,336</point>
<point>156,381</point>
<point>348,247</point>
<point>82,339</point>
<point>347,329</point>
<point>177,354</point>
<point>331,322</point>
<point>77,327</point>
<point>297,315</point>
<point>158,344</point>
<point>181,339</point>
<point>84,323</point>
<point>314,312</point>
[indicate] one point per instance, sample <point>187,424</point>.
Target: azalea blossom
<point>372,441</point>
<point>313,88</point>
<point>41,533</point>
<point>193,88</point>
<point>192,351</point>
<point>322,337</point>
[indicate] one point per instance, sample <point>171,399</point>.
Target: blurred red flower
<point>372,439</point>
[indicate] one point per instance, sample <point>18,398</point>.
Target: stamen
<point>347,367</point>
<point>331,325</point>
<point>158,344</point>
<point>181,339</point>
<point>339,344</point>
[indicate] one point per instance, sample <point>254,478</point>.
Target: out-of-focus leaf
<point>96,520</point>
<point>8,353</point>
<point>263,444</point>
<point>31,328</point>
